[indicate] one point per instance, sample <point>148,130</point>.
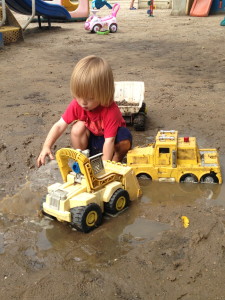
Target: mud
<point>145,252</point>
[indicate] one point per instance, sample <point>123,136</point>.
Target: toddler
<point>97,123</point>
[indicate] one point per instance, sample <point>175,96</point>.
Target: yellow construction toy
<point>175,159</point>
<point>91,188</point>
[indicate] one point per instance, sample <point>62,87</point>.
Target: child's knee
<point>127,145</point>
<point>78,128</point>
<point>123,146</point>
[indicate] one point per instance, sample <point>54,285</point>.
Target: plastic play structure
<point>10,29</point>
<point>70,6</point>
<point>38,8</point>
<point>95,23</point>
<point>218,6</point>
<point>202,8</point>
<point>76,11</point>
<point>50,10</point>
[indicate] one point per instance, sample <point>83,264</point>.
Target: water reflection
<point>115,237</point>
<point>141,230</point>
<point>159,193</point>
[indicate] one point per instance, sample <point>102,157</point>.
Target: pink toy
<point>77,11</point>
<point>95,23</point>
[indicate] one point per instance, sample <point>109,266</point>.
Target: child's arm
<point>108,148</point>
<point>55,132</point>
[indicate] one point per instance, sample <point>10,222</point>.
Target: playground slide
<point>80,10</point>
<point>70,6</point>
<point>42,8</point>
<point>200,8</point>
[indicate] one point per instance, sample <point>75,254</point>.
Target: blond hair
<point>92,78</point>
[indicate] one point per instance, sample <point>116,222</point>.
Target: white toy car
<point>95,23</point>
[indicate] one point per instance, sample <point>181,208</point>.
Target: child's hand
<point>41,158</point>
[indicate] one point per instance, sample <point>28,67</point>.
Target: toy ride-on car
<point>89,189</point>
<point>175,159</point>
<point>95,23</point>
<point>129,96</point>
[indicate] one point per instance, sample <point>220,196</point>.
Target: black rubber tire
<point>143,108</point>
<point>209,178</point>
<point>139,122</point>
<point>189,178</point>
<point>144,176</point>
<point>86,218</point>
<point>42,211</point>
<point>119,200</point>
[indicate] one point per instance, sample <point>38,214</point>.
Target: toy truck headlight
<point>55,197</point>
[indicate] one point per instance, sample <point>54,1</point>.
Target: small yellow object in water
<point>185,221</point>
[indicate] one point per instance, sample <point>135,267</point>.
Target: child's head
<point>92,78</point>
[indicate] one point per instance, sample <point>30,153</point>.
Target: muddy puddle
<point>164,193</point>
<point>115,237</point>
<point>40,238</point>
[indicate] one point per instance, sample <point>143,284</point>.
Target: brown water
<point>115,237</point>
<point>182,193</point>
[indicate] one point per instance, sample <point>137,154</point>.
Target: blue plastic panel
<point>42,8</point>
<point>218,6</point>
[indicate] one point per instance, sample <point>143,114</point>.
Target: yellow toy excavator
<point>89,191</point>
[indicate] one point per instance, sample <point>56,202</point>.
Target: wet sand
<point>145,252</point>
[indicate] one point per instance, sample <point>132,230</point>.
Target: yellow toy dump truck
<point>89,189</point>
<point>175,159</point>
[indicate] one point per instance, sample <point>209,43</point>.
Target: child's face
<point>87,104</point>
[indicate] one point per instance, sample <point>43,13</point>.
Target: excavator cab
<point>97,164</point>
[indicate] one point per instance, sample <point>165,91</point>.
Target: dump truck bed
<point>129,96</point>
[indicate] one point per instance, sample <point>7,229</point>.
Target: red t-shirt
<point>101,121</point>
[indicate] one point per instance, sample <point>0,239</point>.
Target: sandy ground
<point>145,253</point>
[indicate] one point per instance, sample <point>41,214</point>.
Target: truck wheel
<point>144,176</point>
<point>209,178</point>
<point>143,108</point>
<point>190,178</point>
<point>42,211</point>
<point>139,122</point>
<point>86,218</point>
<point>119,200</point>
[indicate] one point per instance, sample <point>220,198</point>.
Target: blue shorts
<point>96,142</point>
